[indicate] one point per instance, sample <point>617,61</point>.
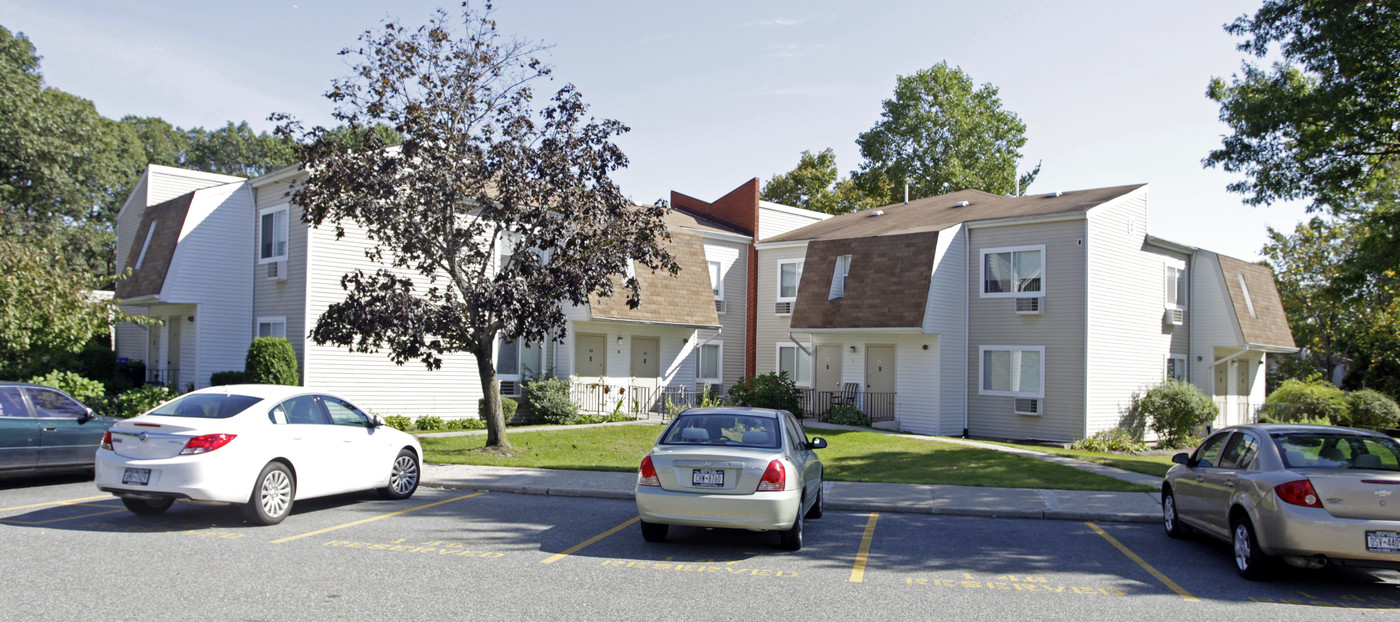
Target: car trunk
<point>1370,495</point>
<point>733,471</point>
<point>151,438</point>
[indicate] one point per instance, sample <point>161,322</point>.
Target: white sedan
<point>259,446</point>
<point>738,468</point>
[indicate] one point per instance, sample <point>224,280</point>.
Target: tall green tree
<point>1322,123</point>
<point>233,149</point>
<point>503,210</point>
<point>941,134</point>
<point>815,184</point>
<point>62,165</point>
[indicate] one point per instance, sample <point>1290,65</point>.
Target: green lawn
<point>1156,464</point>
<point>851,456</point>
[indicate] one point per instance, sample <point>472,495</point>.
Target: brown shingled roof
<point>1268,326</point>
<point>887,286</point>
<point>168,218</point>
<point>686,298</point>
<point>941,212</point>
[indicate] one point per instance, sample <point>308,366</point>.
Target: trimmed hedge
<point>1296,400</point>
<point>271,361</point>
<point>1175,410</point>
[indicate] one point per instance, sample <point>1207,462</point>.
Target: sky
<point>717,93</point>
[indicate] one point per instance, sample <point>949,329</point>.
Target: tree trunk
<point>491,391</point>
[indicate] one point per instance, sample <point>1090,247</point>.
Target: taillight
<point>1298,492</point>
<point>106,440</point>
<point>206,443</point>
<point>775,478</point>
<point>646,476</point>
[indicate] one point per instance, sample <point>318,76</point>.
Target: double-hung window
<point>1013,272</point>
<point>796,363</point>
<point>789,276</point>
<point>516,361</point>
<point>1017,371</point>
<point>1176,288</point>
<point>272,234</point>
<point>838,277</point>
<point>708,368</point>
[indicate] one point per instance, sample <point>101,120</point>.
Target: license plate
<point>710,478</point>
<point>137,477</point>
<point>1383,541</point>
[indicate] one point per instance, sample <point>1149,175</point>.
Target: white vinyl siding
<point>775,219</point>
<point>733,258</point>
<point>771,328</point>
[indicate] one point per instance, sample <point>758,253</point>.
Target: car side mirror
<point>375,421</point>
<point>817,443</point>
<point>88,415</point>
<point>1182,458</point>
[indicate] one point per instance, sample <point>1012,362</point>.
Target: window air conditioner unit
<point>783,308</point>
<point>719,306</point>
<point>1030,306</point>
<point>277,271</point>
<point>510,388</point>
<point>1173,317</point>
<point>1027,406</point>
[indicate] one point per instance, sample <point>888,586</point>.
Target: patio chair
<point>847,396</point>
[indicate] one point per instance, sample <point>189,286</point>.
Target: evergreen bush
<point>845,414</point>
<point>271,361</point>
<point>1373,409</point>
<point>548,396</point>
<point>771,390</point>
<point>1175,410</point>
<point>225,378</point>
<point>1295,400</point>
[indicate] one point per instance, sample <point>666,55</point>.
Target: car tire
<point>1250,560</point>
<point>817,506</point>
<point>1171,519</point>
<point>403,476</point>
<point>148,507</point>
<point>654,532</point>
<point>273,492</point>
<point>792,538</point>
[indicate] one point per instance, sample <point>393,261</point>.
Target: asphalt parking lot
<point>75,553</point>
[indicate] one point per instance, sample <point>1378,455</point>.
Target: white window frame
<point>982,271</point>
<point>719,363</point>
<point>982,370</point>
<point>838,277</point>
<point>272,322</point>
<point>1180,360</point>
<point>797,354</point>
<point>286,233</point>
<point>146,245</point>
<point>783,262</point>
<point>717,279</point>
<point>1171,274</point>
<point>520,367</point>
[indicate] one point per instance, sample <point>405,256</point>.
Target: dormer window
<point>272,234</point>
<point>146,245</point>
<point>838,277</point>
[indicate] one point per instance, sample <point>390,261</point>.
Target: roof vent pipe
<point>878,212</point>
<point>906,192</point>
<point>1053,194</point>
<point>961,204</point>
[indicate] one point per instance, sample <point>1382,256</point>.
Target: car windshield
<point>206,405</point>
<point>723,429</point>
<point>1337,450</point>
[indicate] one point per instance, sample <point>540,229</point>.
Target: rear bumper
<point>759,511</point>
<point>199,478</point>
<point>1308,532</point>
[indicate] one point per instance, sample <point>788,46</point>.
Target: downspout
<point>967,338</point>
<point>799,344</point>
<point>1227,359</point>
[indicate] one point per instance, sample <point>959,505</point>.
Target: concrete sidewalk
<point>1139,507</point>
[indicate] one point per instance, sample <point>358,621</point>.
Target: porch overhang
<point>655,323</point>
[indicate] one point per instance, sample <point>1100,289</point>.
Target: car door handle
<point>50,429</point>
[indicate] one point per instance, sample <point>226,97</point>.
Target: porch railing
<point>168,376</point>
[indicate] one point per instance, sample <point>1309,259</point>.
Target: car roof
<point>8,383</point>
<point>732,410</point>
<point>1270,428</point>
<point>262,391</point>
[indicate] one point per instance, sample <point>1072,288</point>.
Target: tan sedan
<point>1305,495</point>
<point>737,468</point>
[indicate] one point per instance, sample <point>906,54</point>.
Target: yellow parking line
<point>375,518</point>
<point>1145,566</point>
<point>858,570</point>
<point>56,520</point>
<point>558,556</point>
<point>47,503</point>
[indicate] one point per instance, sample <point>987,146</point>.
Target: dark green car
<point>44,430</point>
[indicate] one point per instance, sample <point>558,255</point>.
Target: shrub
<point>466,424</point>
<point>399,422</point>
<point>1110,440</point>
<point>508,408</point>
<point>1175,410</point>
<point>87,391</point>
<point>548,396</point>
<point>845,414</point>
<point>225,378</point>
<point>430,423</point>
<point>139,400</point>
<point>770,390</point>
<point>271,361</point>
<point>1373,409</point>
<point>1295,400</point>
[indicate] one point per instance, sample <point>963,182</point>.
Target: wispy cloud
<point>775,22</point>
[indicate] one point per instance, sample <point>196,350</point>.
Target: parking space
<point>576,548</point>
